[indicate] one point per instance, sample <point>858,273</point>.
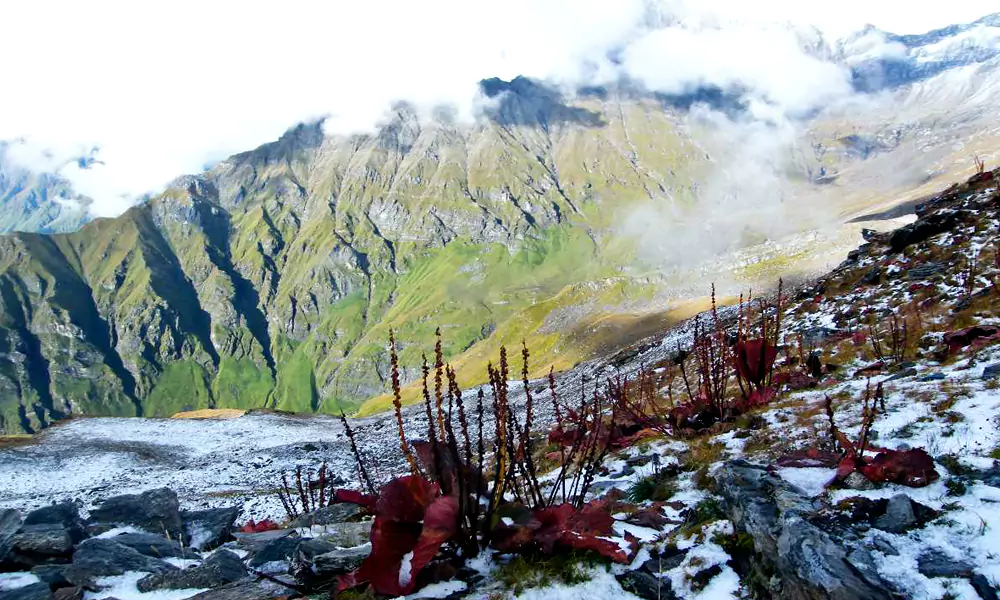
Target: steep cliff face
<point>273,278</point>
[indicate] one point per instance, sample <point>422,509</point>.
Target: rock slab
<point>808,561</point>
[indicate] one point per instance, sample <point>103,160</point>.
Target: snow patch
<point>13,581</point>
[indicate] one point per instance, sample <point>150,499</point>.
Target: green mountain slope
<point>273,279</point>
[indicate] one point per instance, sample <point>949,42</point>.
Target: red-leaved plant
<point>435,513</point>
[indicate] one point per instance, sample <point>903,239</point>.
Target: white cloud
<point>163,88</point>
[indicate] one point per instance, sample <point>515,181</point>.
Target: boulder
<point>220,568</point>
<point>256,541</point>
<point>103,558</point>
<point>35,591</point>
<point>899,516</point>
<point>46,540</point>
<point>983,587</point>
<point>156,511</point>
<point>54,575</point>
<point>10,523</point>
<point>154,545</point>
<point>68,593</point>
<point>246,589</point>
<point>347,535</point>
<point>902,514</point>
<point>857,481</point>
<point>207,529</point>
<point>328,515</point>
<point>671,558</point>
<point>991,371</point>
<point>924,228</point>
<point>937,564</point>
<point>340,561</point>
<point>309,549</point>
<point>66,514</point>
<point>910,372</point>
<point>647,586</point>
<point>279,550</point>
<point>807,561</point>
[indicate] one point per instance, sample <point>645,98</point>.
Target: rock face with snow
<point>220,568</point>
<point>10,522</point>
<point>206,529</point>
<point>104,558</point>
<point>808,561</point>
<point>155,510</point>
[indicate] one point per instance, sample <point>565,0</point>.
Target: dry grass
<point>16,441</point>
<point>211,413</point>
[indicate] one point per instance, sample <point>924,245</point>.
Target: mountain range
<point>273,278</point>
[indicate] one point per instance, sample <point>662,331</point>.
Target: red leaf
<point>354,497</point>
<point>589,528</point>
<point>956,340</point>
<point>412,520</point>
<point>252,526</point>
<point>754,359</point>
<point>913,468</point>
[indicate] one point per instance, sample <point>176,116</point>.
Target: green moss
<point>521,573</point>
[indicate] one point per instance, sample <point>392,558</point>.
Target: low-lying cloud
<point>152,91</point>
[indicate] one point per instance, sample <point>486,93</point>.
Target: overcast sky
<point>164,88</point>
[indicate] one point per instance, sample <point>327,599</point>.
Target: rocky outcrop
<point>207,529</point>
<point>10,523</point>
<point>220,568</point>
<point>808,562</point>
<point>95,558</point>
<point>154,545</point>
<point>154,511</point>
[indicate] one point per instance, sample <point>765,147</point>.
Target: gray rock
<point>10,523</point>
<point>246,589</point>
<point>154,545</point>
<point>809,561</point>
<point>103,558</point>
<point>885,547</point>
<point>857,481</point>
<point>342,560</point>
<point>991,371</point>
<point>255,541</point>
<point>66,514</point>
<point>155,511</point>
<point>899,516</point>
<point>646,586</point>
<point>68,593</point>
<point>348,535</point>
<point>937,564</point>
<point>50,540</point>
<point>35,591</point>
<point>207,529</point>
<point>313,547</point>
<point>54,575</point>
<point>983,587</point>
<point>932,377</point>
<point>220,568</point>
<point>911,372</point>
<point>924,271</point>
<point>279,550</point>
<point>670,559</point>
<point>328,515</point>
